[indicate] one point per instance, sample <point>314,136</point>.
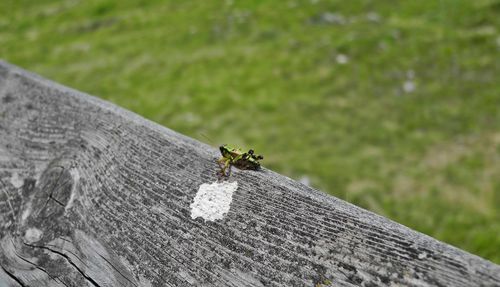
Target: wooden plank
<point>93,195</point>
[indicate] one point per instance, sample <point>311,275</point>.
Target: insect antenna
<point>210,141</point>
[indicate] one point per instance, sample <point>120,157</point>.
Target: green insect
<point>324,283</point>
<point>234,156</point>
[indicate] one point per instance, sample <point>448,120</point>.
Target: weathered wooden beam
<point>94,195</point>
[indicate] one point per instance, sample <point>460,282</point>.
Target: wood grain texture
<point>93,195</point>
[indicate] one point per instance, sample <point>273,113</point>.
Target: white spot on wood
<point>422,255</point>
<point>144,282</point>
<point>76,178</point>
<point>213,200</point>
<point>16,181</point>
<point>413,281</point>
<point>25,214</point>
<point>33,235</point>
<point>188,278</point>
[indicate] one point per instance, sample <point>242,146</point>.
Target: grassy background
<point>391,105</point>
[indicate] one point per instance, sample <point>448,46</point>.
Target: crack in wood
<point>55,186</point>
<point>71,252</point>
<point>13,277</point>
<point>57,201</point>
<point>88,278</point>
<point>36,266</point>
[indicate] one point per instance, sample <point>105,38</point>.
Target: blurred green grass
<point>393,106</point>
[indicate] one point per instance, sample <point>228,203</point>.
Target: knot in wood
<point>54,191</point>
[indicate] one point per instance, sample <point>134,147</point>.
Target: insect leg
<point>222,165</point>
<point>228,167</point>
<point>220,162</point>
<point>229,170</point>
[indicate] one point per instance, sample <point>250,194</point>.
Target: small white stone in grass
<point>213,200</point>
<point>373,17</point>
<point>409,86</point>
<point>342,59</point>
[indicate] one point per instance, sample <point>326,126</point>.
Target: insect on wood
<point>236,157</point>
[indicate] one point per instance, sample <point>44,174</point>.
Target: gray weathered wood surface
<point>93,195</point>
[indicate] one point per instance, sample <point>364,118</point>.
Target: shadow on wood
<point>93,195</point>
